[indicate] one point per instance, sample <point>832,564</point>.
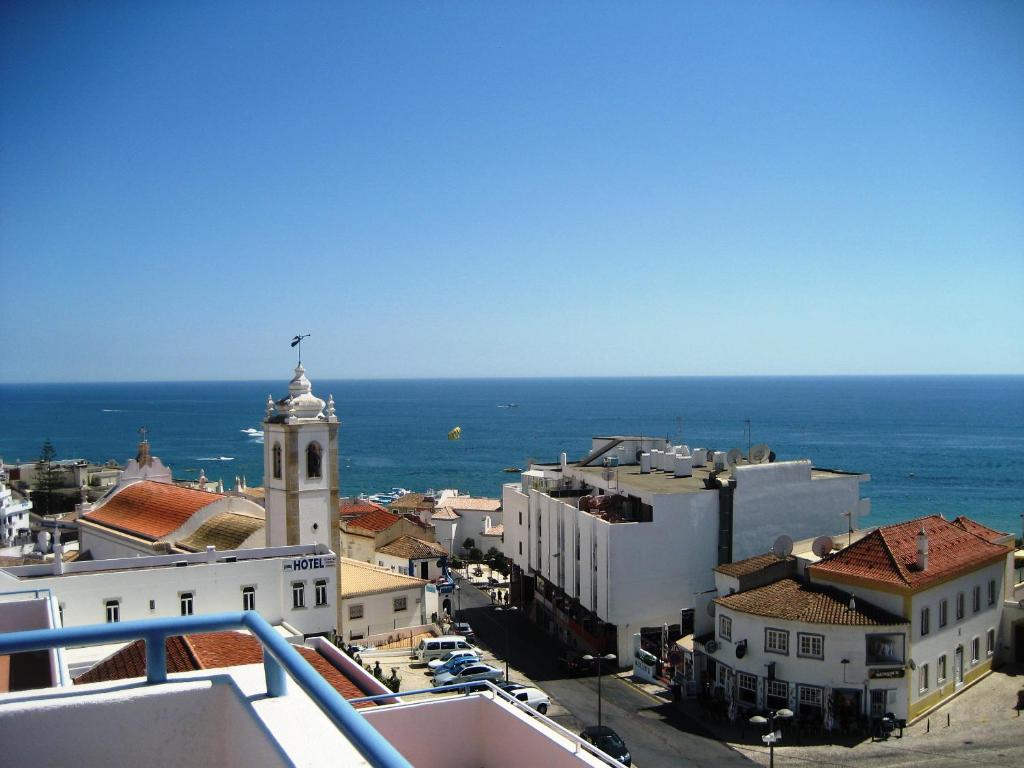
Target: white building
<point>458,518</point>
<point>14,515</point>
<point>620,541</point>
<point>295,586</point>
<point>897,621</point>
<point>377,602</point>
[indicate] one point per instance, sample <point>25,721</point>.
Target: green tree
<point>48,477</point>
<point>469,543</point>
<point>475,555</point>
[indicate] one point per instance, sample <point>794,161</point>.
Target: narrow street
<point>657,734</point>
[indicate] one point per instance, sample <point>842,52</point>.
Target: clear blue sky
<point>511,189</point>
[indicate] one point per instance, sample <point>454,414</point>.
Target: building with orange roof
<point>145,517</point>
<point>898,621</point>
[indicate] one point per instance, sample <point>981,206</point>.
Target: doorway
<point>879,702</point>
<point>958,665</point>
<point>1018,642</point>
<point>423,569</point>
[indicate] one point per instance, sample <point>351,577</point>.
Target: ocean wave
<point>215,458</point>
<point>252,432</point>
<point>111,410</point>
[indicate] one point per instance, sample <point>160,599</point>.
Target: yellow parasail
<point>455,434</point>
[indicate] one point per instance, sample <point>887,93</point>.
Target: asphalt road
<point>656,733</point>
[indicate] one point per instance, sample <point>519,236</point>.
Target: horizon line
<point>531,378</point>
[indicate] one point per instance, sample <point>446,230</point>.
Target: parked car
<point>436,647</point>
<point>462,628</point>
<point>509,687</point>
<point>469,673</point>
<point>574,664</point>
<point>455,665</point>
<point>461,653</point>
<point>608,741</point>
<point>534,698</point>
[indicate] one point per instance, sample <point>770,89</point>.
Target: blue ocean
<point>952,445</point>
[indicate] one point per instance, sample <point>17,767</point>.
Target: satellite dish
<point>759,454</point>
<point>733,457</point>
<point>711,609</point>
<point>783,547</point>
<point>822,546</point>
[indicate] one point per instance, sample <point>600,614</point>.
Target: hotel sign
<point>886,674</point>
<point>310,563</point>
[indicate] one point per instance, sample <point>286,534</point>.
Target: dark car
<point>608,741</point>
<point>574,664</point>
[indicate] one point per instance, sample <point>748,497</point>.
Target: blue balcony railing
<point>278,658</point>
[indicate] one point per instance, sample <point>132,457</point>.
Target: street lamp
<point>507,610</point>
<point>599,659</point>
<point>772,736</point>
<point>458,597</point>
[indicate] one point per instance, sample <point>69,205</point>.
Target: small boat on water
<point>509,405</point>
<point>511,469</point>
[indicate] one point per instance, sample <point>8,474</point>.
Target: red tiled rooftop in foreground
<point>214,650</point>
<point>888,554</point>
<point>150,509</point>
<point>359,508</point>
<point>793,600</point>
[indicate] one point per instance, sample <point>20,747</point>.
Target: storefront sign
<point>885,674</point>
<point>310,563</point>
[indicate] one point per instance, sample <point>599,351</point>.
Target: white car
<point>534,698</point>
<point>470,673</point>
<point>435,663</point>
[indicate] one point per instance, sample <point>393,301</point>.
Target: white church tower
<point>300,467</point>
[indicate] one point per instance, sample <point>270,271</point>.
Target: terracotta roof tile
<point>887,554</point>
<point>359,508</point>
<point>214,650</point>
<point>474,504</point>
<point>445,513</point>
<point>228,530</point>
<point>412,548</point>
<point>359,578</point>
<point>150,509</point>
<point>376,521</point>
<point>495,530</point>
<point>983,531</point>
<point>412,501</point>
<point>793,600</point>
<point>750,565</point>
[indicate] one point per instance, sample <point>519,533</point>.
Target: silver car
<point>468,674</point>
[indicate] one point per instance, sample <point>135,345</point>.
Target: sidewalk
<point>984,729</point>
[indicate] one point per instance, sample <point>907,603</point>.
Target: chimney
<point>853,602</point>
<point>922,551</point>
<point>211,553</point>
<point>58,558</point>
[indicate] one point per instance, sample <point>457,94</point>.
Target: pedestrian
<point>492,597</point>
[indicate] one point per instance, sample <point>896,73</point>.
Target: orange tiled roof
<point>983,531</point>
<point>887,554</point>
<point>377,520</point>
<point>750,565</point>
<point>413,549</point>
<point>214,650</point>
<point>150,509</point>
<point>359,508</point>
<point>474,503</point>
<point>794,600</point>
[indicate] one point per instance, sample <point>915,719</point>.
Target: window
<point>959,605</point>
<point>113,611</point>
<point>355,611</point>
<point>186,603</point>
<point>520,517</point>
<point>152,605</point>
<point>520,547</point>
<point>976,599</point>
<point>810,646</point>
<point>809,697</point>
<point>975,650</point>
<point>943,612</point>
<point>777,694</point>
<point>400,604</point>
<point>248,598</point>
<point>990,642</point>
<point>776,641</point>
<point>313,460</point>
<point>925,621</point>
<point>940,669</point>
<point>321,592</point>
<point>922,678</point>
<point>60,607</point>
<point>747,685</point>
<point>298,594</point>
<point>277,461</point>
<point>991,591</point>
<point>725,627</point>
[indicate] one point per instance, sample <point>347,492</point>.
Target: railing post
<point>277,683</point>
<point>156,658</point>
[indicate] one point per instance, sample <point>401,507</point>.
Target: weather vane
<point>297,342</point>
